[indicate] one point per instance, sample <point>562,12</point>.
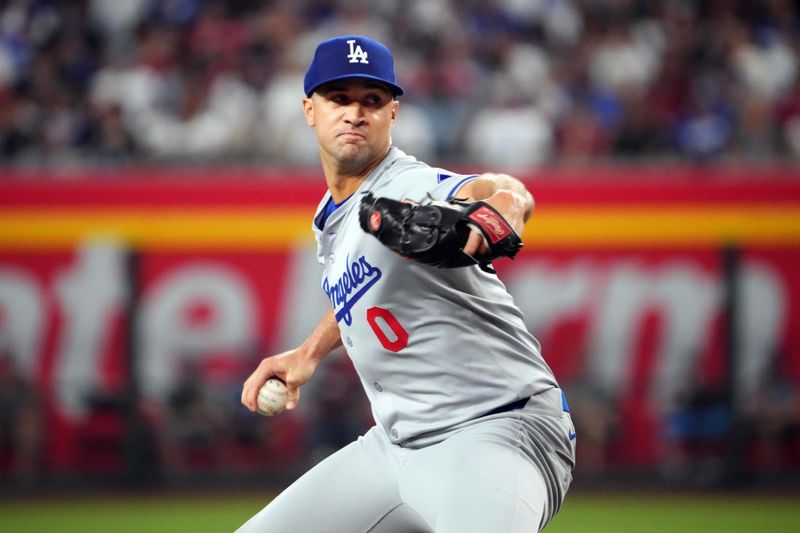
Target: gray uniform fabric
<point>436,351</point>
<point>504,473</point>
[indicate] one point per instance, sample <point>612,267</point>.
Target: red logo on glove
<point>496,227</point>
<point>375,221</point>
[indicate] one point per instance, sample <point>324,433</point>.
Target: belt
<point>519,404</point>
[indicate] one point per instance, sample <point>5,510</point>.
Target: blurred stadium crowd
<point>515,83</point>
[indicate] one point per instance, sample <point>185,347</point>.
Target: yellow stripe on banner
<point>159,228</point>
<point>696,226</point>
<point>276,229</point>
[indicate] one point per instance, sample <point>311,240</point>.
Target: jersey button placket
<point>378,386</point>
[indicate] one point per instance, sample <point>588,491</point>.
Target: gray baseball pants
<point>507,472</point>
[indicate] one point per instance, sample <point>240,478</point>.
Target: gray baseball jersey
<point>434,348</point>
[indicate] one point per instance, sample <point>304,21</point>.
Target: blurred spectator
<point>788,120</point>
<point>639,133</point>
<point>705,129</point>
<point>773,420</point>
<point>444,83</point>
<point>509,136</point>
<point>511,132</point>
<point>194,430</point>
<point>112,142</point>
<point>284,133</point>
<point>119,18</point>
<point>582,136</point>
<point>697,432</point>
<point>623,60</point>
<point>96,81</point>
<point>20,424</point>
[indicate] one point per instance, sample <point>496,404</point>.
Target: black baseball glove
<point>435,233</point>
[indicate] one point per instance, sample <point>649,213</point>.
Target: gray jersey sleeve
<point>422,183</point>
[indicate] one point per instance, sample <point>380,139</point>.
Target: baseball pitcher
<point>472,433</point>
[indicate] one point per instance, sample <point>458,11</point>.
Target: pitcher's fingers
<point>293,397</point>
<point>475,243</point>
<point>251,386</point>
<point>249,393</point>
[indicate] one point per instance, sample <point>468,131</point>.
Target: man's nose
<point>354,114</point>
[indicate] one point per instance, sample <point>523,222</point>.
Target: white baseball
<point>272,397</point>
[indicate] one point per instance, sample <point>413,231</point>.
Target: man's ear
<point>308,111</point>
<point>395,106</point>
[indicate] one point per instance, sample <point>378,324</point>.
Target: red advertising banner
<point>622,280</point>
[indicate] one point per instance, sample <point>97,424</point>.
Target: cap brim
<point>393,87</point>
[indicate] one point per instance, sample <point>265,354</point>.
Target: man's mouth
<point>352,134</point>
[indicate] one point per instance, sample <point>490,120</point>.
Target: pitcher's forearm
<point>324,338</point>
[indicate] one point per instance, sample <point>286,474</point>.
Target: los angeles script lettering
<point>351,286</point>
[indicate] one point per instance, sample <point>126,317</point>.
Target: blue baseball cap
<point>351,56</point>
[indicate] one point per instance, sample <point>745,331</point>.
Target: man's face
<point>353,120</point>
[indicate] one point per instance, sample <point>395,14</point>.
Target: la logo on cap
<point>350,56</point>
<point>356,55</point>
